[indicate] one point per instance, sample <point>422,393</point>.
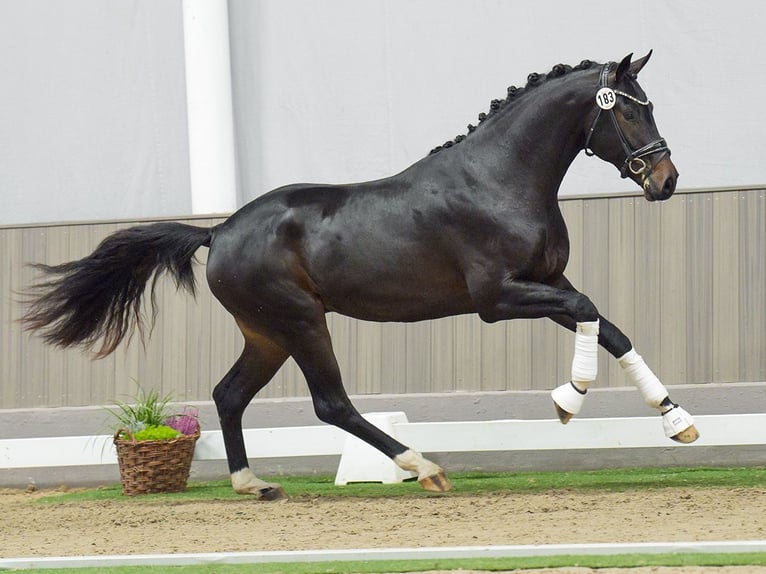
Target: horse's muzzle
<point>660,183</point>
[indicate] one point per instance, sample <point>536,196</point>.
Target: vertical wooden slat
<point>57,252</point>
<point>368,360</point>
<point>545,355</point>
<point>441,336</point>
<point>418,358</point>
<point>519,355</point>
<point>699,268</point>
<point>393,368</point>
<point>493,370</point>
<point>11,281</point>
<point>34,366</point>
<point>468,353</point>
<point>725,277</point>
<point>647,291</point>
<point>625,237</point>
<point>675,292</point>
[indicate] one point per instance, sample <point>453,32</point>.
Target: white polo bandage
<point>650,387</point>
<point>585,361</point>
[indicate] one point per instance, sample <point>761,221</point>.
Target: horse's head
<point>623,131</point>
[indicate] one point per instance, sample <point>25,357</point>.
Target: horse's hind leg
<point>260,360</point>
<point>312,350</point>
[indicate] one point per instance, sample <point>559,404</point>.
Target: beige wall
<point>685,279</point>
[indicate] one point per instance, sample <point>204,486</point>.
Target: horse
<point>472,227</point>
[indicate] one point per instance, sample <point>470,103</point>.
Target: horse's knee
<point>220,397</point>
<point>583,309</point>
<point>334,412</point>
<point>228,404</point>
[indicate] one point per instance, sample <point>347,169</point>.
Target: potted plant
<point>154,446</point>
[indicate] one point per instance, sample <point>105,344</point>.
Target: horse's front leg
<point>515,299</point>
<point>677,423</point>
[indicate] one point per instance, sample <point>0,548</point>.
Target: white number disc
<point>606,98</point>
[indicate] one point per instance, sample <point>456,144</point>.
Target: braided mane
<point>533,80</point>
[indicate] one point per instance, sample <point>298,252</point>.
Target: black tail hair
<point>98,298</point>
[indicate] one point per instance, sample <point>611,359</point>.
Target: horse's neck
<point>529,147</point>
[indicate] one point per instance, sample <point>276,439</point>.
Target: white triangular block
<point>360,462</point>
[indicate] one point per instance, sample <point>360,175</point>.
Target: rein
<point>606,98</point>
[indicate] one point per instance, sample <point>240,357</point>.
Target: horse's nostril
<point>669,187</point>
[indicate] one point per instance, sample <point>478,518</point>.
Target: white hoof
<point>412,461</point>
<point>679,425</point>
<point>245,482</point>
<point>568,400</point>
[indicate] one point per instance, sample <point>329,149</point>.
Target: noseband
<point>606,98</point>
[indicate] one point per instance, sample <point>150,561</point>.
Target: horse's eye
<point>629,114</point>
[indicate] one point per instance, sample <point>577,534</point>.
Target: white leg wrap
<point>570,396</point>
<point>675,421</point>
<point>642,376</point>
<point>585,361</point>
<point>414,462</point>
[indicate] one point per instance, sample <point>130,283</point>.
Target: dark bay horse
<point>474,227</point>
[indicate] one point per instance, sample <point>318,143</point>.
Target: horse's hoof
<point>568,401</point>
<point>272,494</point>
<point>436,483</point>
<point>687,435</point>
<point>564,416</point>
<point>679,425</point>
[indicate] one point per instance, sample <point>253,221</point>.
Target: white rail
<point>467,436</point>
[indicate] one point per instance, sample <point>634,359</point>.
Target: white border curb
<point>370,554</point>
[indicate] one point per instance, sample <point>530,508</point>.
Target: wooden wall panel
<point>685,279</point>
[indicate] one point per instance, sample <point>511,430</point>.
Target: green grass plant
<point>157,432</point>
<point>146,409</point>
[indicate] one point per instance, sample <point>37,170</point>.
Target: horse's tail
<point>98,298</point>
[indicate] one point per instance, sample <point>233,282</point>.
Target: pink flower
<point>186,422</point>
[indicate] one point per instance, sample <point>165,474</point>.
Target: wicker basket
<point>154,466</point>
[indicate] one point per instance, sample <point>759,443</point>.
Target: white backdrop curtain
<point>93,105</point>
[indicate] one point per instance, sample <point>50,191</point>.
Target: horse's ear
<point>624,67</point>
<point>638,65</point>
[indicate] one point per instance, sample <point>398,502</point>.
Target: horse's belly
<point>396,297</point>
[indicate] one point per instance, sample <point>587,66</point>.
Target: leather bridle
<point>633,158</point>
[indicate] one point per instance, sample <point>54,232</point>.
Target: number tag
<point>606,98</point>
